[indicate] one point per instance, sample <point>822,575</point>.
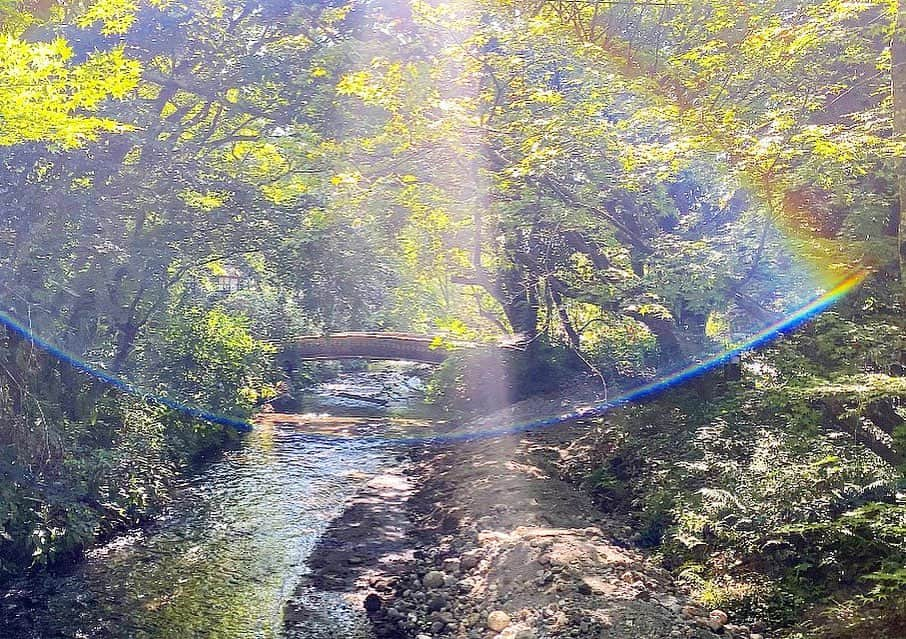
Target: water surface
<point>230,551</point>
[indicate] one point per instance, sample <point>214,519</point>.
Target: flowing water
<point>230,550</point>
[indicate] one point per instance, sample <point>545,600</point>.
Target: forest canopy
<point>640,183</point>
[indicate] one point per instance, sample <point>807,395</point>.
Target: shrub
<point>487,378</point>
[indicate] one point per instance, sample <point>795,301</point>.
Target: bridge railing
<point>372,345</point>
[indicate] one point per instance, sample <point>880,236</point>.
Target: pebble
<point>469,560</point>
<point>498,620</point>
<point>433,579</point>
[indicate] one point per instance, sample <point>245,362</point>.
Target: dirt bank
<point>488,543</point>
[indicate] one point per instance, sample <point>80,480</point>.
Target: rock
<point>372,603</point>
<point>437,627</point>
<point>443,617</point>
<point>719,616</point>
<point>755,635</point>
<point>714,625</point>
<point>628,577</point>
<point>451,565</point>
<point>525,633</point>
<point>717,619</point>
<point>433,579</point>
<point>498,620</point>
<point>469,560</point>
<point>436,603</point>
<point>690,612</point>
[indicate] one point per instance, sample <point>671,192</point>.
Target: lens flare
<point>768,334</point>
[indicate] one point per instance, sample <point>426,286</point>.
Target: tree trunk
<point>519,298</point>
<point>898,91</point>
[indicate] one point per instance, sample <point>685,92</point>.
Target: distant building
<point>231,280</point>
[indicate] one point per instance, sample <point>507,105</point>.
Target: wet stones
<point>372,603</point>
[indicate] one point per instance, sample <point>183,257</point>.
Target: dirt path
<point>511,552</point>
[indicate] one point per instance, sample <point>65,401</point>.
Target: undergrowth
<point>778,497</point>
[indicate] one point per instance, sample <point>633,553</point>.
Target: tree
<point>898,89</point>
<point>49,95</point>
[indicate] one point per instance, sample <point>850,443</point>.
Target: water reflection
<point>226,556</point>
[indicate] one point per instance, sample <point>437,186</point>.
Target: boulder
<point>372,603</point>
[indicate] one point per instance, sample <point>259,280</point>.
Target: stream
<point>229,552</point>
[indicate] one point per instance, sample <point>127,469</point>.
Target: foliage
<point>79,461</point>
<point>49,94</point>
<point>210,358</point>
<point>764,499</point>
<point>623,187</point>
<point>481,380</point>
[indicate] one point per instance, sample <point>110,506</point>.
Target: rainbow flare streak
<point>768,334</point>
<point>117,382</point>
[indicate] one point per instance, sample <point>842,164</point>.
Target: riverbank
<point>496,545</point>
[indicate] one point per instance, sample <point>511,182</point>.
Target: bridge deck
<point>392,346</point>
